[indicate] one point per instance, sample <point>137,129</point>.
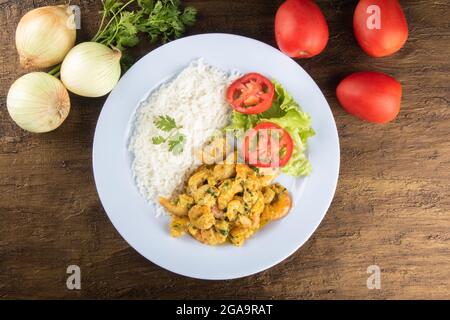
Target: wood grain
<point>392,205</point>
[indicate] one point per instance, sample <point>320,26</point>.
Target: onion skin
<point>91,69</point>
<point>38,102</point>
<point>44,36</point>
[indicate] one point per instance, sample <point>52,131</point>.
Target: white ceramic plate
<point>135,219</point>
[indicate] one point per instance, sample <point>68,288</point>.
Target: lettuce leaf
<point>298,125</point>
<point>286,113</point>
<point>240,123</point>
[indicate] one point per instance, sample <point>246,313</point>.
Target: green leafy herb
<point>123,22</point>
<point>165,123</point>
<point>158,140</point>
<point>166,21</point>
<point>176,143</point>
<point>175,139</point>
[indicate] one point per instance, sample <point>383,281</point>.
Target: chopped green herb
<point>165,123</point>
<point>224,232</point>
<point>211,192</point>
<point>158,140</point>
<point>176,144</point>
<point>175,139</point>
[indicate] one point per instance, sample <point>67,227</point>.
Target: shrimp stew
<point>226,202</point>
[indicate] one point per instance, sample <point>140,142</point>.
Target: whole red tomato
<point>301,30</point>
<point>372,96</point>
<point>380,27</point>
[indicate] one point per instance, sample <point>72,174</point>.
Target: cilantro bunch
<point>122,23</point>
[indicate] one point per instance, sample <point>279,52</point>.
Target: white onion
<point>44,36</point>
<point>38,102</point>
<point>91,69</point>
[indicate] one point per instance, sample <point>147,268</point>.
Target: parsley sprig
<point>174,139</point>
<point>123,22</point>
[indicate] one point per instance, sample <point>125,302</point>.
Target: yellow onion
<point>44,36</point>
<point>91,69</point>
<point>38,102</point>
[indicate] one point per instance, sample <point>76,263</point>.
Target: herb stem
<point>171,134</point>
<point>99,36</point>
<point>111,39</point>
<point>101,23</point>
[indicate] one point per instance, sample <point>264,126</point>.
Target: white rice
<point>196,100</point>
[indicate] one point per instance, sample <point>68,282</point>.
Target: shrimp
<point>278,188</point>
<point>257,210</point>
<point>268,194</point>
<point>278,208</point>
<point>227,169</point>
<point>185,201</point>
<point>208,236</point>
<point>243,221</point>
<point>234,207</point>
<point>197,179</point>
<point>223,227</point>
<point>251,183</point>
<point>251,189</point>
<point>178,226</point>
<point>224,171</point>
<point>206,195</point>
<point>201,217</point>
<point>218,214</point>
<point>239,234</point>
<point>179,208</point>
<point>243,171</point>
<point>227,191</point>
<point>267,175</point>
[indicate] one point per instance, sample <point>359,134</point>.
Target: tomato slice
<point>267,146</point>
<point>251,94</point>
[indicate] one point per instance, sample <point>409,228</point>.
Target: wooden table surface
<point>391,209</point>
